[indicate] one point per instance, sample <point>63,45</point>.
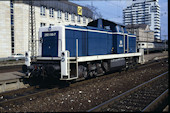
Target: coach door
<point>126,43</point>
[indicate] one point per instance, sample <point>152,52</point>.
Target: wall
<point>143,36</point>
<point>5,29</point>
<point>21,17</point>
<point>21,26</point>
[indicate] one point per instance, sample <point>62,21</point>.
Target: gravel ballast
<point>83,97</point>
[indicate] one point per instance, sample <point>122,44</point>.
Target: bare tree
<point>96,13</point>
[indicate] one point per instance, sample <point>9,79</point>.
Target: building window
<point>12,19</point>
<point>12,50</point>
<point>66,15</point>
<point>12,10</point>
<point>12,39</point>
<point>12,44</point>
<point>11,4</point>
<point>42,10</point>
<point>59,14</point>
<point>84,20</point>
<point>51,24</point>
<point>51,12</point>
<point>12,27</point>
<point>73,17</point>
<point>78,18</point>
<point>42,24</point>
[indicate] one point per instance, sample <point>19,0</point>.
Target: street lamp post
<point>147,44</point>
<point>165,41</point>
<point>147,40</point>
<point>162,14</point>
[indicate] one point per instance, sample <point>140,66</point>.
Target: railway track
<point>20,95</point>
<point>17,96</point>
<point>144,97</point>
<point>4,69</point>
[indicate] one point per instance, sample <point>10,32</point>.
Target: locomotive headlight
<point>62,54</point>
<point>62,59</point>
<point>26,54</point>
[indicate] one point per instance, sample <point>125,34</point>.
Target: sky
<point>113,10</point>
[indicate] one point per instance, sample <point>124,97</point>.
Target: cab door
<point>50,44</point>
<point>126,44</point>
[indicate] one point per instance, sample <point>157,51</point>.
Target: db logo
<point>120,44</point>
<point>79,10</point>
<point>120,41</point>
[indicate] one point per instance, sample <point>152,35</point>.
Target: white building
<point>144,12</point>
<point>141,32</point>
<point>15,21</point>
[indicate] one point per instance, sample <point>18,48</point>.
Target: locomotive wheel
<point>105,67</point>
<point>82,71</point>
<point>100,70</point>
<point>35,81</point>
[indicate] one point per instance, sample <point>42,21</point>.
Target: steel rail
<point>54,89</point>
<point>8,93</point>
<point>3,103</point>
<point>155,102</point>
<point>96,108</point>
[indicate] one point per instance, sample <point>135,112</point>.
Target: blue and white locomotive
<point>78,52</point>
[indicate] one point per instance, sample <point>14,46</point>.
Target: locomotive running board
<point>65,65</point>
<point>48,58</point>
<point>66,60</point>
<point>92,58</point>
<point>102,57</point>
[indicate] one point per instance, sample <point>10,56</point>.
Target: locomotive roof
<point>106,22</point>
<point>88,27</point>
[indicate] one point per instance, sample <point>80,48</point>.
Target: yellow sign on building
<point>79,10</point>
